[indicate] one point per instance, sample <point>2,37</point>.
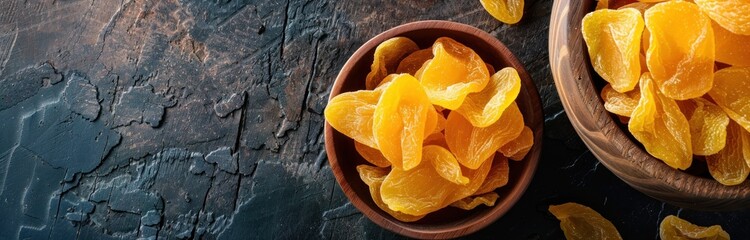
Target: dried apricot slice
<point>399,121</point>
<point>469,203</point>
<point>728,166</point>
<point>620,103</point>
<point>485,107</point>
<point>476,179</point>
<point>497,177</point>
<point>453,72</point>
<point>734,15</point>
<point>445,164</point>
<point>373,177</point>
<point>581,222</point>
<point>660,126</point>
<point>351,114</point>
<point>517,148</point>
<point>410,64</point>
<point>731,92</point>
<point>388,54</point>
<point>613,40</point>
<point>681,49</point>
<point>473,145</point>
<point>418,191</point>
<point>708,125</point>
<point>371,155</point>
<point>507,11</point>
<point>731,48</point>
<point>673,227</point>
<point>436,139</point>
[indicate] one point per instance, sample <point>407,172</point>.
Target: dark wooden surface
<point>185,119</point>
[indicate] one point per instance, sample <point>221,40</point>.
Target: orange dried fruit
<point>517,148</point>
<point>708,125</point>
<point>673,227</point>
<point>388,54</point>
<point>436,139</point>
<point>469,203</point>
<point>399,121</point>
<point>734,15</point>
<point>613,40</point>
<point>680,56</point>
<point>473,145</point>
<point>418,191</point>
<point>507,11</point>
<point>660,126</point>
<point>371,155</point>
<point>640,6</point>
<point>581,222</point>
<point>731,92</point>
<point>431,125</point>
<point>729,166</point>
<point>445,164</point>
<point>351,114</point>
<point>476,179</point>
<point>731,48</point>
<point>602,4</point>
<point>453,72</point>
<point>373,177</point>
<point>497,177</point>
<point>620,103</point>
<point>485,107</point>
<point>410,64</point>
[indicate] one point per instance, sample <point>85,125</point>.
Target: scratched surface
<point>178,119</point>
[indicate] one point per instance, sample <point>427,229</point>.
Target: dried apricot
<point>469,203</point>
<point>436,139</point>
<point>660,126</point>
<point>351,114</point>
<point>581,222</point>
<point>373,177</point>
<point>734,15</point>
<point>472,145</point>
<point>445,164</point>
<point>673,227</point>
<point>388,54</point>
<point>602,4</point>
<point>708,125</point>
<point>410,64</point>
<point>613,40</point>
<point>453,72</point>
<point>681,49</point>
<point>520,146</point>
<point>497,177</point>
<point>371,155</point>
<point>399,121</point>
<point>418,191</point>
<point>731,92</point>
<point>731,48</point>
<point>620,103</point>
<point>485,107</point>
<point>729,166</point>
<point>507,11</point>
<point>476,179</point>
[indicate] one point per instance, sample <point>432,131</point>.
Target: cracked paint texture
<point>186,119</point>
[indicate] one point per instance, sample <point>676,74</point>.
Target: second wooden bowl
<point>448,222</point>
<point>576,84</point>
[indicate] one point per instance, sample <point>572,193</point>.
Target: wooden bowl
<point>449,222</point>
<point>579,87</point>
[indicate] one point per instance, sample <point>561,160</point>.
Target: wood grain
<point>575,79</point>
<point>449,222</point>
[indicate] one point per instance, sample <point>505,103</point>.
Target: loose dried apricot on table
<point>581,222</point>
<point>507,11</point>
<point>420,156</point>
<point>694,90</point>
<point>673,228</point>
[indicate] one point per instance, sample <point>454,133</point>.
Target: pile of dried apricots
<point>437,126</point>
<point>678,73</point>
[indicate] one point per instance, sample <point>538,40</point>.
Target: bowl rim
<point>604,137</point>
<point>494,212</point>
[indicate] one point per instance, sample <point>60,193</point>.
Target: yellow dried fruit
<point>418,191</point>
<point>507,11</point>
<point>517,148</point>
<point>476,179</point>
<point>485,107</point>
<point>708,125</point>
<point>674,228</point>
<point>351,114</point>
<point>660,126</point>
<point>681,49</point>
<point>373,177</point>
<point>387,57</point>
<point>497,177</point>
<point>581,222</point>
<point>613,40</point>
<point>469,203</point>
<point>371,155</point>
<point>731,48</point>
<point>731,92</point>
<point>620,103</point>
<point>445,164</point>
<point>410,64</point>
<point>734,15</point>
<point>729,166</point>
